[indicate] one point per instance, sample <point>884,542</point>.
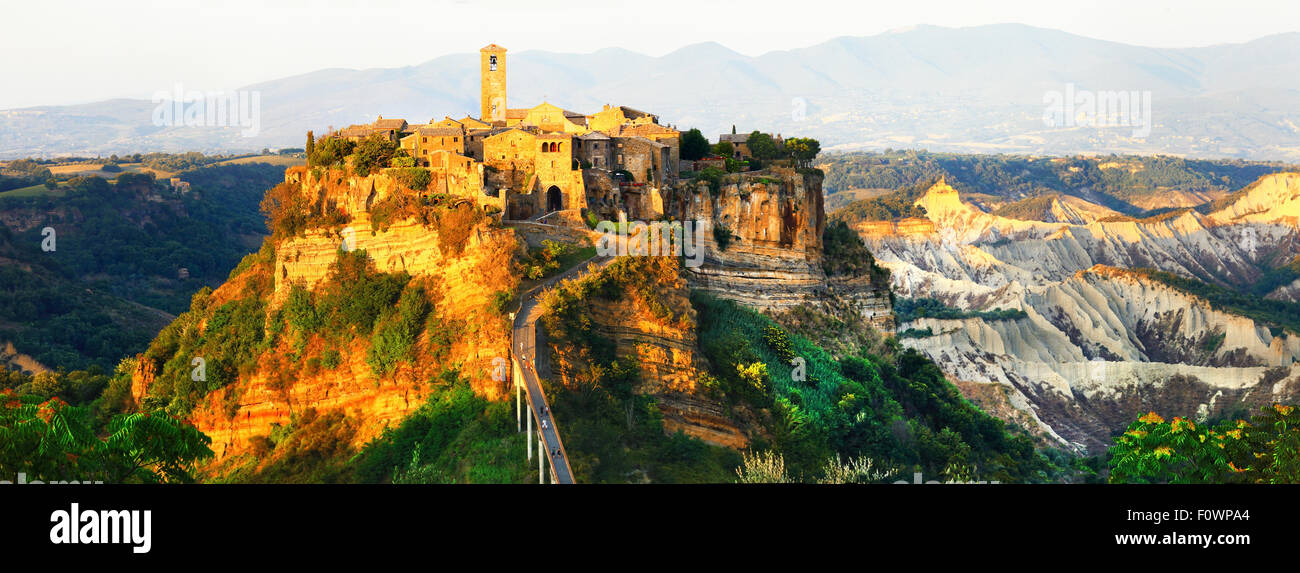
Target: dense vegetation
<point>1279,314</point>
<point>845,255</point>
<point>613,434</point>
<point>909,309</point>
<point>113,276</point>
<point>1112,181</point>
<point>896,205</point>
<point>1018,176</point>
<point>1265,449</point>
<point>456,436</point>
<point>897,410</point>
<point>65,427</point>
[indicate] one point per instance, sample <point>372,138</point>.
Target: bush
<point>722,236</point>
<point>415,178</point>
<point>396,332</point>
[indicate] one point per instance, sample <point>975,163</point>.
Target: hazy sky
<point>67,51</point>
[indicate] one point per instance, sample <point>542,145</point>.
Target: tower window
<point>492,63</point>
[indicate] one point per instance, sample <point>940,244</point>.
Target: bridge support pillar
<point>519,413</point>
<point>541,457</point>
<point>529,415</point>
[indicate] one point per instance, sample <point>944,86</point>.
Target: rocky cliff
<point>284,377</point>
<point>1099,344</point>
<point>766,252</point>
<point>664,346</point>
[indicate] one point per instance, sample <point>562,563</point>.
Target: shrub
<point>415,178</point>
<point>395,335</point>
<point>722,236</point>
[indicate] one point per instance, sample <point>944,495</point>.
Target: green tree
<point>803,150</point>
<point>373,153</point>
<point>761,145</point>
<point>724,148</point>
<point>331,152</point>
<point>1264,450</point>
<point>311,146</point>
<point>694,145</point>
<point>52,441</point>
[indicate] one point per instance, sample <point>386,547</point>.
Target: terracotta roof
<point>734,137</point>
<point>593,135</point>
<point>491,48</point>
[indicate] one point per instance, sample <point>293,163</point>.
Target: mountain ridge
<point>849,92</point>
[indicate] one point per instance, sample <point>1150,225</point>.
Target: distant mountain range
<point>979,89</point>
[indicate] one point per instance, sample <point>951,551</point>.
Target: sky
<point>56,52</point>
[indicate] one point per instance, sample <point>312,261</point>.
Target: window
<point>492,64</point>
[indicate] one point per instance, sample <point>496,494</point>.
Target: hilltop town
<point>618,162</point>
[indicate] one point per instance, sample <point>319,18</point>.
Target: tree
<point>374,152</point>
<point>51,440</point>
<point>1264,450</point>
<point>311,146</point>
<point>331,152</point>
<point>761,145</point>
<point>694,145</point>
<point>803,150</point>
<point>724,148</point>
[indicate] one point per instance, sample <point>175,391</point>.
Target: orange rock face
<point>272,393</point>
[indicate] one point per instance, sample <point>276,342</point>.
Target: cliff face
<point>670,363</point>
<point>1099,345</point>
<point>772,259</point>
<point>273,388</point>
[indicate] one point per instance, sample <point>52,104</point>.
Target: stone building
<point>534,160</point>
<point>612,117</point>
<point>739,144</point>
<point>511,149</point>
<point>594,149</point>
<point>454,174</point>
<point>548,117</point>
<point>492,72</point>
<point>647,160</point>
<point>559,174</point>
<point>391,129</point>
<point>657,133</point>
<point>426,140</point>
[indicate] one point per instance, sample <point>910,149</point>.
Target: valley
<point>1098,339</point>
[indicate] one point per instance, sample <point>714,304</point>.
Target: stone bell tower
<point>492,74</point>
